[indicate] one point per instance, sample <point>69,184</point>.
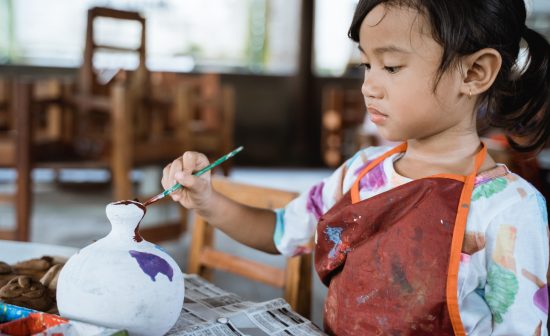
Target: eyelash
<point>364,65</point>
<point>392,69</point>
<point>389,69</point>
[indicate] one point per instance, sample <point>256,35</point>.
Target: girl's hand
<point>196,191</point>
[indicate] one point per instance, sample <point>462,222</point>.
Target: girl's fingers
<point>175,168</point>
<point>188,160</point>
<point>181,170</point>
<point>189,181</point>
<point>168,179</point>
<point>165,176</point>
<point>202,161</point>
<point>193,161</point>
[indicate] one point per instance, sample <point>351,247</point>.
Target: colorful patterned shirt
<point>502,281</point>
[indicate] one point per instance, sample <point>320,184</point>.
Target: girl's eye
<point>365,65</point>
<point>392,69</point>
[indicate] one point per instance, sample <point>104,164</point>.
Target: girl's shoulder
<point>352,167</point>
<point>502,185</point>
<point>499,191</point>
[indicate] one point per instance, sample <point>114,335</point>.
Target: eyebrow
<point>387,49</point>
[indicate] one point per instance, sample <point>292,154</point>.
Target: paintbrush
<point>199,173</point>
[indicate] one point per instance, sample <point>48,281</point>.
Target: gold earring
<point>469,93</point>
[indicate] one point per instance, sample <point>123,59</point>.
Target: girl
<point>431,237</point>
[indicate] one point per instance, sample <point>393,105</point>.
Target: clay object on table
<point>26,292</point>
<point>35,268</point>
<point>6,273</point>
<point>122,281</point>
<point>49,280</point>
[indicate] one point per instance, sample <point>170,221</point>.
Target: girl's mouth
<point>376,116</point>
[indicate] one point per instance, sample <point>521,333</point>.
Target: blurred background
<point>97,96</point>
<point>279,56</point>
<point>274,53</point>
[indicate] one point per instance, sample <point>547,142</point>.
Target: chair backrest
<point>88,78</point>
<point>295,279</point>
<point>7,124</point>
<point>6,118</point>
<point>95,85</point>
<point>343,115</point>
<point>205,109</point>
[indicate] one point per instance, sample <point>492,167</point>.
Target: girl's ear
<point>481,69</point>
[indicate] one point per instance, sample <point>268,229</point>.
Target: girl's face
<point>401,60</point>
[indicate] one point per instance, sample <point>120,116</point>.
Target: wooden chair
<point>117,123</point>
<point>32,111</point>
<point>6,117</point>
<point>206,111</point>
<point>342,121</point>
<point>109,127</point>
<point>121,124</point>
<point>295,279</point>
<point>15,152</point>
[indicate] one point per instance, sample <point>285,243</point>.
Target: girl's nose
<point>370,89</point>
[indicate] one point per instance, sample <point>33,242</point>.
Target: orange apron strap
<point>355,188</point>
<point>456,244</point>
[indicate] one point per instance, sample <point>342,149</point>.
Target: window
<point>333,50</point>
<point>246,35</point>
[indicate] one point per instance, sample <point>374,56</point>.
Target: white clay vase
<point>122,281</point>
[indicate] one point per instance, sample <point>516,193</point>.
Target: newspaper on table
<point>209,310</point>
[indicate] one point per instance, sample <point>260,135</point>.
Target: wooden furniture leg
<point>122,157</point>
<point>22,97</point>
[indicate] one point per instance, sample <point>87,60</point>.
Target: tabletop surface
<point>14,251</point>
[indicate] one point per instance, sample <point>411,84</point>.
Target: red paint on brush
<point>151,201</point>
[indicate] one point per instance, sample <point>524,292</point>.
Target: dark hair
<point>519,100</point>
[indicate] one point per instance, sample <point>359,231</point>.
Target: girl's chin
<point>389,136</point>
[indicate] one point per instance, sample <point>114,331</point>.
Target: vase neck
<point>125,218</point>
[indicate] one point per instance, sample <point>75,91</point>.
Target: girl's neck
<point>441,156</point>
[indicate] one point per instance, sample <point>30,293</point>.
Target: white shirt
<point>502,286</point>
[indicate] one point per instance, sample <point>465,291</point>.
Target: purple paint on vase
<point>315,200</point>
<point>152,264</point>
<point>540,299</point>
<point>374,179</point>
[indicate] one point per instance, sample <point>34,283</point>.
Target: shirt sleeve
<point>296,223</point>
<point>516,288</point>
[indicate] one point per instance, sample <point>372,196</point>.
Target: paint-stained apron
<point>391,261</point>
